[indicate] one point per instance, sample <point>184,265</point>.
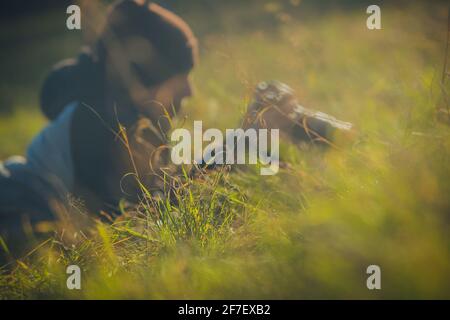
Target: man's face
<point>153,101</point>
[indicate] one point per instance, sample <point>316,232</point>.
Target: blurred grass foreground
<point>311,230</point>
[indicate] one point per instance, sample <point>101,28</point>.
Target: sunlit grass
<point>17,129</point>
<point>311,230</point>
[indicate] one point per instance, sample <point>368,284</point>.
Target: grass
<point>311,230</point>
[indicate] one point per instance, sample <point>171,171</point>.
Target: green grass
<point>311,230</point>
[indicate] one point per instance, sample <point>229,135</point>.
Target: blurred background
<point>383,200</point>
<point>250,40</point>
<point>33,37</point>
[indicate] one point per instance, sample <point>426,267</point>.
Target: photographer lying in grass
<point>110,112</point>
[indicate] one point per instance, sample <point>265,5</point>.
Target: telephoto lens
<point>275,106</point>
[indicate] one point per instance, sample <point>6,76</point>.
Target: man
<point>110,111</point>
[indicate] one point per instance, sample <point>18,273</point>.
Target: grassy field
<point>311,230</point>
